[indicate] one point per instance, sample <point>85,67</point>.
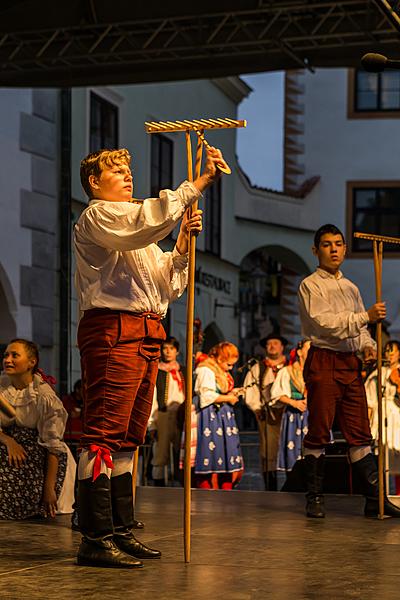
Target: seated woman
<point>219,462</point>
<point>289,389</point>
<point>37,469</point>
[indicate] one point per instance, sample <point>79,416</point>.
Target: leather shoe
<point>315,506</point>
<point>138,524</point>
<point>105,553</point>
<point>372,508</point>
<point>130,545</point>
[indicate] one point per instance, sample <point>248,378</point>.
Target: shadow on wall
<point>8,329</point>
<point>212,336</point>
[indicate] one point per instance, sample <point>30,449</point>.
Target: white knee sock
<point>123,463</point>
<point>86,465</point>
<point>317,452</point>
<point>358,452</point>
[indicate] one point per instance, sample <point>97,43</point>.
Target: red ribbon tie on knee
<point>101,454</point>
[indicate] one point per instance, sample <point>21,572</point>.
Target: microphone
<point>376,63</point>
<point>247,365</point>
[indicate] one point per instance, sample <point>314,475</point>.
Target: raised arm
<point>128,226</point>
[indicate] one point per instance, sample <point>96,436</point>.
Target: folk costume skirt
<point>21,488</point>
<point>218,444</point>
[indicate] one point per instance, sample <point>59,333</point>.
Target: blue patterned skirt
<point>218,443</point>
<point>294,427</point>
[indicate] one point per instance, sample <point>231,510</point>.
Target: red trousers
<point>119,362</point>
<point>335,387</point>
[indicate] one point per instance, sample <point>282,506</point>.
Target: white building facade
<point>256,243</point>
<point>344,126</point>
<point>239,219</point>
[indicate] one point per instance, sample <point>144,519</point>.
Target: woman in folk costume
<point>289,390</point>
<point>391,406</point>
<point>37,470</point>
<point>219,462</point>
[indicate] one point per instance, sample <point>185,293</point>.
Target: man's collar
<point>327,275</point>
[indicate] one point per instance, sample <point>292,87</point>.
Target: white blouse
<point>391,409</point>
<point>281,387</point>
<point>118,262</point>
<point>205,386</point>
<point>38,407</point>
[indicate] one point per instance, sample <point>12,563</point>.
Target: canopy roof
<point>93,42</point>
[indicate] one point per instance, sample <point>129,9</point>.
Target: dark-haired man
<point>257,385</point>
<point>333,317</point>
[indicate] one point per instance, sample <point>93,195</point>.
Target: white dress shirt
<point>118,263</point>
<point>332,313</point>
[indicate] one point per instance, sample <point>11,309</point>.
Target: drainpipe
<point>65,243</point>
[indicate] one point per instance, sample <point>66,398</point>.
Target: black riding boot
<point>367,471</point>
<point>98,548</point>
<point>315,477</point>
<point>122,510</point>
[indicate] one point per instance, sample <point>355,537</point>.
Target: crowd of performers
<point>124,284</point>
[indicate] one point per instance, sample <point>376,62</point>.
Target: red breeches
<point>119,361</point>
<point>335,388</point>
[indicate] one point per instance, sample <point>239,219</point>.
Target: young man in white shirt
<point>164,427</point>
<point>124,284</point>
<point>334,319</point>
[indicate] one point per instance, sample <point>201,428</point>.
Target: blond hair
<point>95,162</point>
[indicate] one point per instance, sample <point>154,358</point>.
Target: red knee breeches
<point>119,361</point>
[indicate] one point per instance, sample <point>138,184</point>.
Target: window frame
<point>169,143</point>
<point>365,184</point>
<point>103,102</point>
<point>209,203</point>
<point>353,113</point>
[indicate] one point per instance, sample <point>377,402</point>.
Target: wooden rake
<point>186,126</point>
<point>377,244</point>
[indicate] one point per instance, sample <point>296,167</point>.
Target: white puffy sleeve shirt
<point>281,387</point>
<point>332,313</point>
<point>205,386</point>
<point>118,262</point>
<point>38,407</point>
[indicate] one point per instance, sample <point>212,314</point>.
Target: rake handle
<point>222,166</point>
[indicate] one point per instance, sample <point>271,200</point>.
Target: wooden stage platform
<point>245,546</point>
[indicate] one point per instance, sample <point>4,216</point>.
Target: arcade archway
<point>269,279</point>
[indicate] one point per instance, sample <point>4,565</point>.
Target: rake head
<point>192,125</point>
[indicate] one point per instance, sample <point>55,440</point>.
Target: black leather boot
<point>366,470</point>
<point>122,510</point>
<point>315,476</point>
<point>98,548</point>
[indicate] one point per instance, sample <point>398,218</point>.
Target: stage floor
<point>245,545</point>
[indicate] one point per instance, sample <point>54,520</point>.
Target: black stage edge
<point>245,545</point>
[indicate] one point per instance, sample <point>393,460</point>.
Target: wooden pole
<point>134,474</point>
<point>189,353</point>
<point>378,253</point>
